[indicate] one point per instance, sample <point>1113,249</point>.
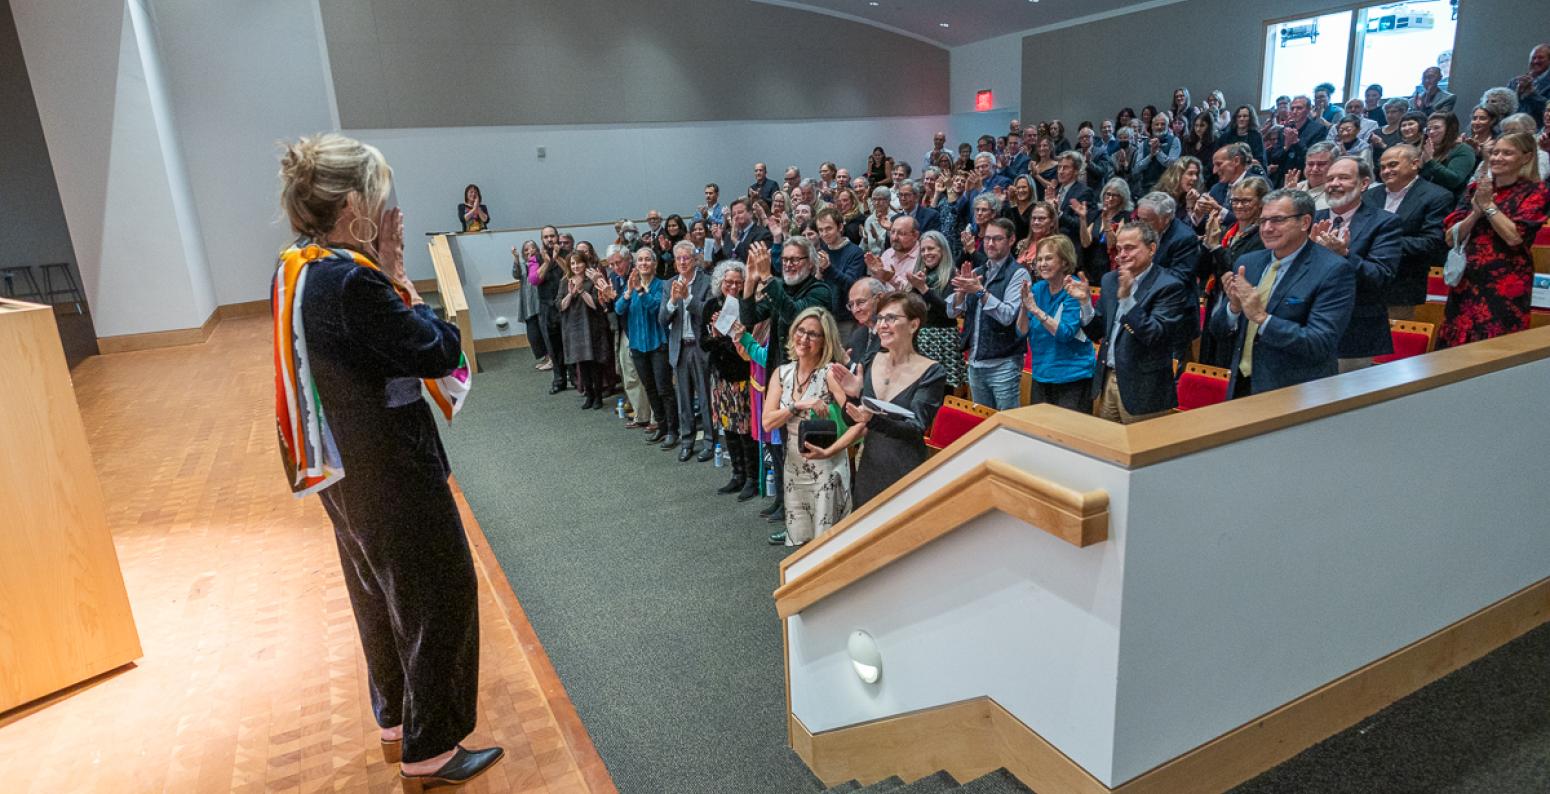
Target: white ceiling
<point>968,21</point>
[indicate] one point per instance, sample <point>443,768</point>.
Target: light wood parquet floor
<point>252,679</point>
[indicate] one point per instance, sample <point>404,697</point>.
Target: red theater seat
<point>956,417</point>
<point>1410,339</point>
<point>1201,385</point>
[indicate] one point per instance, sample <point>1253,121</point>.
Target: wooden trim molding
<point>499,289</point>
<point>972,737</point>
<point>1081,519</point>
<point>500,343</point>
<point>127,343</point>
<point>229,311</point>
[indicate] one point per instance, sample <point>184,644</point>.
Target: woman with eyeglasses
<point>1225,244</point>
<point>893,400</point>
<point>1114,212</point>
<point>816,481</point>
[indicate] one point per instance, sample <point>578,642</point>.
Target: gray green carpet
<point>651,595</point>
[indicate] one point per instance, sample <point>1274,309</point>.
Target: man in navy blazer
<point>1143,312</point>
<point>1368,238</point>
<point>1421,207</point>
<point>743,231</point>
<point>1072,194</point>
<point>1287,306</point>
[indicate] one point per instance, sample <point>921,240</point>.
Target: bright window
<point>1384,43</point>
<point>1302,53</point>
<point>1396,41</point>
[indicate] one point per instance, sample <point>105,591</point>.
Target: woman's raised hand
<point>1077,288</point>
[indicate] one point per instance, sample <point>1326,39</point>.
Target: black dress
<point>895,445</point>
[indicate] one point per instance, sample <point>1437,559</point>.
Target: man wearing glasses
<point>988,298</point>
<point>1286,307</point>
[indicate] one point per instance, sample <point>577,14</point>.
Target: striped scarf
<point>307,446</point>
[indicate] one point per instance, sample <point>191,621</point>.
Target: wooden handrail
<point>1159,440</point>
<point>1080,519</point>
<point>453,301</point>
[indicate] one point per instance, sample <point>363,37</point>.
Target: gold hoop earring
<point>367,238</point>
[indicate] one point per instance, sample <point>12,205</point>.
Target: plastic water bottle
<point>720,456</point>
<point>619,408</point>
<point>769,482</point>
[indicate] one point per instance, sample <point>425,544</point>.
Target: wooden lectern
<point>64,614</point>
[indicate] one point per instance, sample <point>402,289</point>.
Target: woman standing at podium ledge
<point>472,212</point>
<point>353,343</point>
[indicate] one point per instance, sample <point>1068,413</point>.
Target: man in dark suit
<point>1069,189</point>
<point>1231,164</point>
<point>1421,207</point>
<point>683,317</point>
<point>926,219</point>
<point>1368,238</point>
<point>1286,306</point>
<point>1017,157</point>
<point>1143,312</point>
<point>1302,130</point>
<point>1179,252</point>
<point>743,231</point>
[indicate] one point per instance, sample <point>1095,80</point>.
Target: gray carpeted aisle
<point>649,591</point>
<point>651,595</point>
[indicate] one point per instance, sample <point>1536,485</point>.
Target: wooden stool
<point>8,281</point>
<point>70,290</point>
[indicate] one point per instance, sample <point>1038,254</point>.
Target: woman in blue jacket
<point>1060,355</point>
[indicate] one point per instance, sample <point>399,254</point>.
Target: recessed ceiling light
<point>944,24</point>
<point>873,3</point>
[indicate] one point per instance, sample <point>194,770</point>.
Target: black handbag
<point>819,432</point>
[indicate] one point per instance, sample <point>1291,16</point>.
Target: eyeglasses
<point>1241,202</point>
<point>995,238</point>
<point>793,259</point>
<point>803,333</point>
<point>1277,220</point>
<point>890,318</point>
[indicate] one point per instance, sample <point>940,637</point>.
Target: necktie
<point>1338,222</point>
<point>1267,282</point>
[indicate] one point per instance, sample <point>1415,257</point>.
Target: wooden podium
<point>64,614</point>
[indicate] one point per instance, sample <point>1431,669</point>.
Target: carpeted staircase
<point>997,782</point>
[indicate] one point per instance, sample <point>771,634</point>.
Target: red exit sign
<point>983,100</point>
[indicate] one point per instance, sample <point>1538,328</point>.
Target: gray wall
<point>32,221</point>
<point>1220,44</point>
<point>435,63</point>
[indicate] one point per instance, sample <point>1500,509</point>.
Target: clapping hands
<point>1337,241</point>
<point>967,282</point>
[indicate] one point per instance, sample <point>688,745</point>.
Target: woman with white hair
<point>874,233</point>
<point>729,371</point>
<point>1115,207</point>
<point>1523,122</point>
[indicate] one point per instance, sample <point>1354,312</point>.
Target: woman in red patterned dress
<point>1505,213</point>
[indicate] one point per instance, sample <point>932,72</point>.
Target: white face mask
<point>629,234</point>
